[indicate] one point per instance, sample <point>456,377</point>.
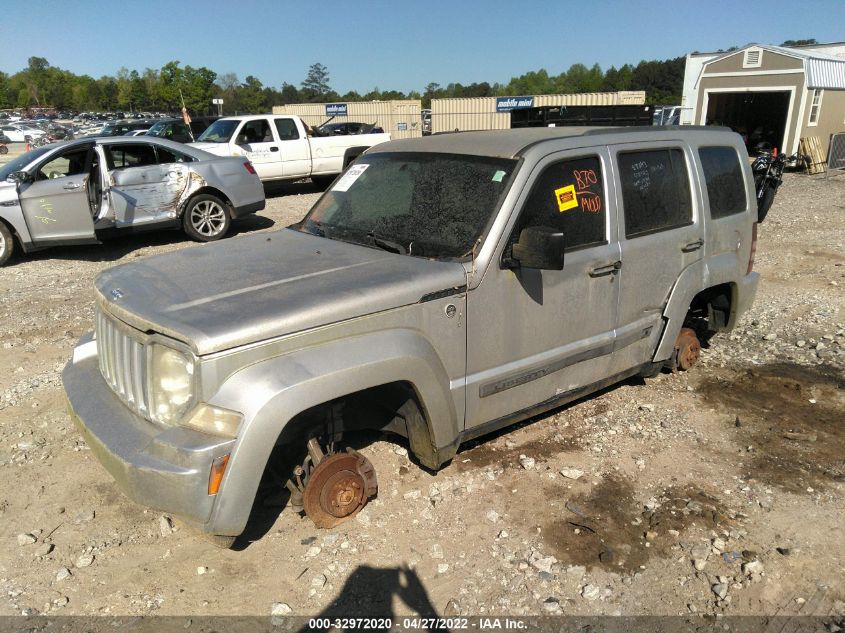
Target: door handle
<point>608,269</point>
<point>71,186</point>
<point>693,246</point>
<point>274,149</point>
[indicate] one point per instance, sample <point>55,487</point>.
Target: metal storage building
<point>402,119</point>
<point>494,113</point>
<point>774,94</point>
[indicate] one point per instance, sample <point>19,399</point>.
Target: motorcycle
<point>768,176</point>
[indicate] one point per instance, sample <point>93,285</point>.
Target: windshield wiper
<point>387,245</point>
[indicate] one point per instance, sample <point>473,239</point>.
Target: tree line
<point>41,84</point>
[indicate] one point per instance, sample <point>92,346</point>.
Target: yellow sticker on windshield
<point>566,198</point>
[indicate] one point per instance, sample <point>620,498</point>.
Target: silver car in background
<point>81,191</point>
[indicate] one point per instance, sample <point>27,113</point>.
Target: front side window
<point>568,196</point>
<point>725,183</point>
<point>420,204</point>
<point>130,155</point>
<point>66,164</point>
<point>255,132</point>
<point>655,191</point>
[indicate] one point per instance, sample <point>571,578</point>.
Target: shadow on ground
<point>118,247</point>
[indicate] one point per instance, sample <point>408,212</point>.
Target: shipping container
<point>401,119</point>
<point>494,113</point>
<point>583,115</point>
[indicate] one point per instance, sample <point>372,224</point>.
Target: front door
<point>256,140</point>
<point>537,335</point>
<point>55,206</point>
<point>661,236</point>
<point>142,191</point>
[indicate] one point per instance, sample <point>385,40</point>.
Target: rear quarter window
<point>131,155</point>
<point>655,191</point>
<point>725,182</point>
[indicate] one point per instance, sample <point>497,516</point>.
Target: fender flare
<point>273,392</point>
<point>715,271</point>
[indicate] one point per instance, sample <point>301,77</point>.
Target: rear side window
<point>134,155</point>
<point>655,191</point>
<point>569,196</point>
<point>287,129</point>
<point>725,184</point>
<point>172,156</point>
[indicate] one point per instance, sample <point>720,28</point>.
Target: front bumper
<point>163,468</point>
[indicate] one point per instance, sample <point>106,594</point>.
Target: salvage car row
<point>82,191</point>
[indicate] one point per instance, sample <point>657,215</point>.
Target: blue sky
<point>397,44</point>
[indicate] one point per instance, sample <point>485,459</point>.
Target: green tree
<point>5,91</point>
<point>799,42</point>
<point>290,94</point>
<point>432,91</point>
<point>316,87</point>
<point>579,78</point>
<point>250,96</point>
<point>197,88</point>
<point>616,80</point>
<point>124,89</point>
<point>531,83</point>
<point>662,80</point>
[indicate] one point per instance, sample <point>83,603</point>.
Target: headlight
<point>171,384</point>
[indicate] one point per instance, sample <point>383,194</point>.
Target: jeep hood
<point>248,289</point>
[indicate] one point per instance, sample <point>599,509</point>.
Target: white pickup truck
<point>280,148</point>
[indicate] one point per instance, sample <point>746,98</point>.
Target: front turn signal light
<point>215,477</point>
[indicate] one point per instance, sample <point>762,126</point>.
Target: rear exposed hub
<point>338,487</point>
<point>687,349</point>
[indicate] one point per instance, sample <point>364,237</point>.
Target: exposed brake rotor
<point>687,349</point>
<point>338,487</point>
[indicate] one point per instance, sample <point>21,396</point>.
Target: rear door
<point>294,150</point>
<point>257,141</point>
<point>661,234</point>
<point>141,190</point>
<point>55,206</point>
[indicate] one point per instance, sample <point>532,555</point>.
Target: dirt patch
<point>791,417</point>
<point>608,528</point>
<point>486,453</point>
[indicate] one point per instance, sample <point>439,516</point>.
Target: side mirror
<point>538,247</point>
<point>21,177</point>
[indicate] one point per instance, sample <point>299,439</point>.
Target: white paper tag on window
<point>350,177</point>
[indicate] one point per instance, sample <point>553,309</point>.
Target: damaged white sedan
<point>81,191</point>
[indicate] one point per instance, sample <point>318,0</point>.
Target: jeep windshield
<point>218,132</point>
<point>421,204</point>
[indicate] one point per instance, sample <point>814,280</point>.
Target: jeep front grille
<point>123,362</point>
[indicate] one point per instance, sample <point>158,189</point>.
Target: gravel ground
<point>716,491</point>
